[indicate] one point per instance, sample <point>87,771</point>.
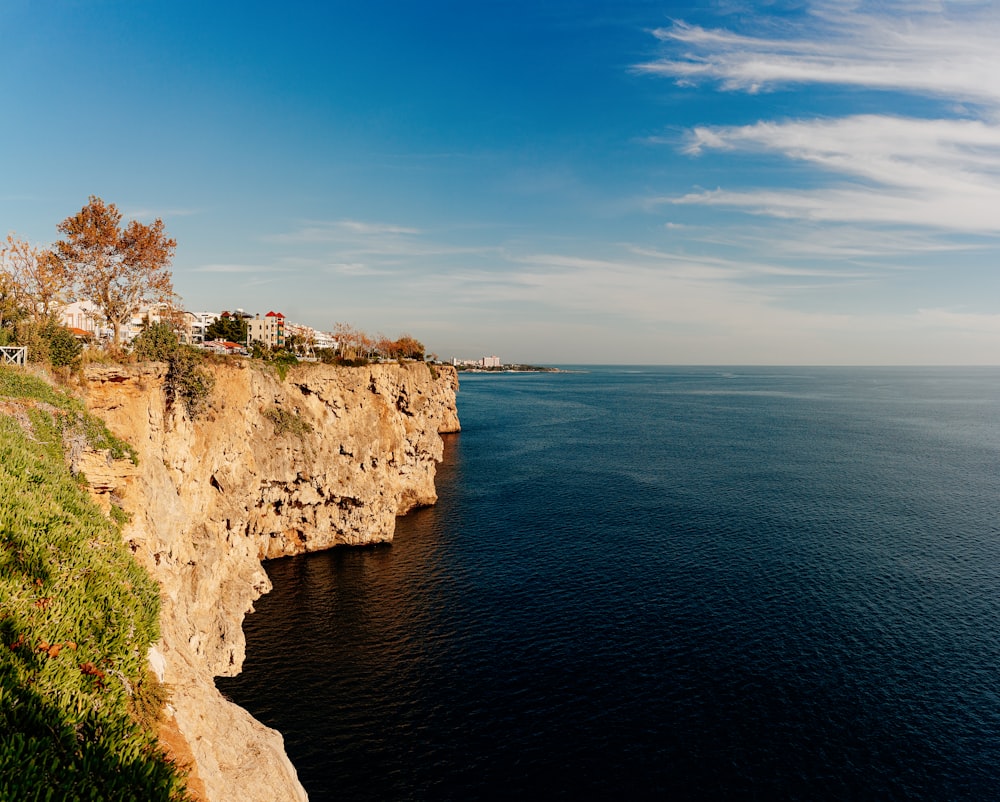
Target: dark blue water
<point>666,583</point>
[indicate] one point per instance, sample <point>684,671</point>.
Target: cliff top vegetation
<point>120,269</point>
<point>77,616</point>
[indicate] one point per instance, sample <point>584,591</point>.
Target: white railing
<point>13,355</point>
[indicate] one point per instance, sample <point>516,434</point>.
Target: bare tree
<point>36,277</point>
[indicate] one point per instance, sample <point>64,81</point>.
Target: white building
<point>200,323</point>
<point>485,362</point>
<point>85,317</point>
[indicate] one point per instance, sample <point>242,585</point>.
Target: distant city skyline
<point>559,182</point>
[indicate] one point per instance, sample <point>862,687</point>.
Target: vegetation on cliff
<point>77,616</point>
<point>187,381</point>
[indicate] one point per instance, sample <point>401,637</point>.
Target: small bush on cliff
<point>78,615</point>
<point>47,340</point>
<point>155,343</point>
<point>280,359</point>
<point>286,422</point>
<point>148,699</point>
<point>186,380</point>
<point>189,381</point>
<point>283,362</point>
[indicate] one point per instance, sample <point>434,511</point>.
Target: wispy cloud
<point>313,231</point>
<point>947,50</point>
<point>150,214</point>
<point>971,322</point>
<point>874,169</point>
<point>649,284</point>
<point>356,269</point>
<point>974,213</point>
<point>355,245</point>
<point>798,239</point>
<point>721,309</point>
<point>374,228</point>
<point>231,268</point>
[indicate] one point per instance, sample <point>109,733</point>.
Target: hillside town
<point>107,285</point>
<point>271,330</point>
<point>85,321</point>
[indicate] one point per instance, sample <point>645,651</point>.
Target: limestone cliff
<point>326,456</point>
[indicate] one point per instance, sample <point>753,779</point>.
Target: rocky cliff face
<point>327,456</point>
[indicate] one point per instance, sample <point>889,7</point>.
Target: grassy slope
<point>77,615</point>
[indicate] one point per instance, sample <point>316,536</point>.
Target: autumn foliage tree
<point>352,343</point>
<point>409,347</point>
<point>406,347</point>
<point>117,269</point>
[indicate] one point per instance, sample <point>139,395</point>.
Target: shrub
<point>283,361</point>
<point>156,343</point>
<point>186,380</point>
<point>149,696</point>
<point>28,333</point>
<point>189,381</point>
<point>118,515</point>
<point>286,422</point>
<point>64,348</point>
<point>48,342</point>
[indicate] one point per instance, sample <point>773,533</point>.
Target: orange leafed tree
<point>406,347</point>
<point>410,347</point>
<point>117,269</point>
<point>352,343</point>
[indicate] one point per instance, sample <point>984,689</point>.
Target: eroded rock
<point>329,456</point>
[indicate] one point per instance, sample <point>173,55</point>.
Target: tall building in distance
<point>268,330</point>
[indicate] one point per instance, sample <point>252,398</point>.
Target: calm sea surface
<point>663,583</point>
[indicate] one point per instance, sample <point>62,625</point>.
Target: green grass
<point>67,414</point>
<point>77,615</point>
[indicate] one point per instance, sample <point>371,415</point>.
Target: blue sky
<point>555,182</point>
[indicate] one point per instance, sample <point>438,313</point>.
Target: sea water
<point>663,583</point>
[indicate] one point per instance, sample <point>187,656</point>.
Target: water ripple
<point>683,584</point>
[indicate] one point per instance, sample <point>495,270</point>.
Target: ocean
<point>663,583</point>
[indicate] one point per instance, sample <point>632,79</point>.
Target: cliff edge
<point>324,457</point>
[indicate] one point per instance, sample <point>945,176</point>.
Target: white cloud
<point>313,231</point>
<point>969,212</point>
<point>899,47</point>
<point>374,228</point>
<point>969,322</point>
<point>872,169</point>
<point>355,269</point>
<point>358,248</point>
<point>796,239</point>
<point>231,268</point>
<point>150,214</point>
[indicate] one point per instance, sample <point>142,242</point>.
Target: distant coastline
<point>509,369</point>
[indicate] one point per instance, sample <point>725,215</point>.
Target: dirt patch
<point>178,751</point>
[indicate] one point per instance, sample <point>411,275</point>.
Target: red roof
<point>275,314</point>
